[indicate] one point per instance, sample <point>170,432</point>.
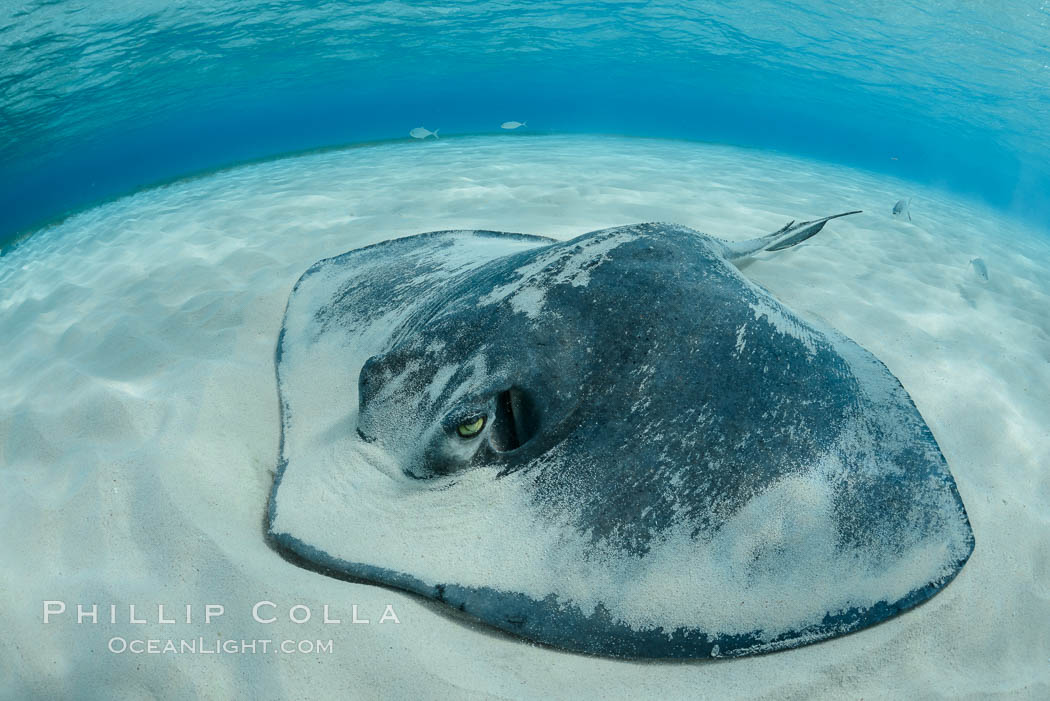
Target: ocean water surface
<point>102,98</point>
<point>167,173</point>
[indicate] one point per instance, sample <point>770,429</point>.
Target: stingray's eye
<point>471,427</point>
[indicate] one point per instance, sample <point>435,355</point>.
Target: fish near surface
<point>616,444</point>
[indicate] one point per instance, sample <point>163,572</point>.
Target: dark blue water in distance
<point>101,98</point>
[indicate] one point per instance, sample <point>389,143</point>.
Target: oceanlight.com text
<point>214,646</point>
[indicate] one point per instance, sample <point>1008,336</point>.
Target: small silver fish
<point>513,125</point>
<point>422,133</point>
<point>901,209</point>
<point>980,270</point>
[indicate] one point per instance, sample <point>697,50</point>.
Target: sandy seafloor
<point>139,426</point>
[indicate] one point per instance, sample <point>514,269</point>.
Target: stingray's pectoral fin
<point>791,234</point>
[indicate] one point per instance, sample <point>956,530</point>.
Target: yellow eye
<point>472,428</point>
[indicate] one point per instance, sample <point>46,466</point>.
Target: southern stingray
<point>615,444</point>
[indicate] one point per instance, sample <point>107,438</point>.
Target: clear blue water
<point>103,97</point>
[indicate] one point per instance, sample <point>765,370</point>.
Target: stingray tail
<point>789,235</point>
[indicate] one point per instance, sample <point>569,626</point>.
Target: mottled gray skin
<point>658,371</point>
<point>639,370</point>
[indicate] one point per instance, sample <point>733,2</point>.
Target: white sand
<point>138,418</point>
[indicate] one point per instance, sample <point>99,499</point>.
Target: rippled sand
<point>138,417</point>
